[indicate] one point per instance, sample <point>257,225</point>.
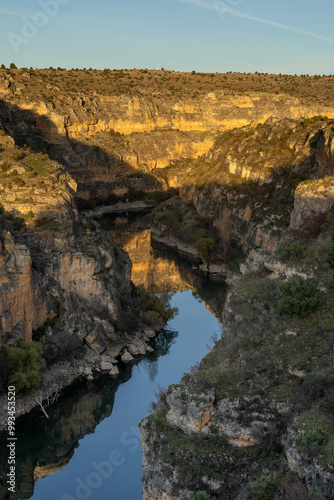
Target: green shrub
<point>1,209</point>
<point>298,296</point>
<point>291,251</point>
<point>5,166</point>
<point>22,366</point>
<point>155,300</point>
<point>183,220</point>
<point>152,318</point>
<point>62,346</point>
<point>30,214</point>
<point>317,386</point>
<point>311,442</point>
<point>202,495</point>
<point>205,247</point>
<point>18,223</point>
<point>18,181</point>
<point>152,302</point>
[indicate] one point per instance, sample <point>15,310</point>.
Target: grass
<point>38,166</point>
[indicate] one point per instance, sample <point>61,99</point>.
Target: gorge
<point>249,165</point>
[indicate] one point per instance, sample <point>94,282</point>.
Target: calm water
<point>90,447</point>
<point>119,433</point>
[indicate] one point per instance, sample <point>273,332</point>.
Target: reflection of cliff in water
<point>46,446</point>
<point>153,262</point>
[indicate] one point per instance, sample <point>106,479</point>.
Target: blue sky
<point>204,35</point>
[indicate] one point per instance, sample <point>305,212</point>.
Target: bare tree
<point>46,396</point>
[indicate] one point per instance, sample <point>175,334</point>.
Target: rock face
<point>210,111</point>
<point>84,132</point>
<point>60,275</point>
<point>188,413</point>
<point>269,162</point>
<point>314,199</point>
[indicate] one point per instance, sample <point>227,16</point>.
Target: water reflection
<point>48,445</point>
<point>162,345</point>
<point>153,262</point>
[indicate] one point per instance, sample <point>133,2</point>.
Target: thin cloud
<point>95,32</point>
<point>78,28</point>
<point>17,14</point>
<point>237,13</point>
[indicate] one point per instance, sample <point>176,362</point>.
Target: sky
<point>286,36</point>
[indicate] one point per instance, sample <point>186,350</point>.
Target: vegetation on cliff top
<point>55,83</point>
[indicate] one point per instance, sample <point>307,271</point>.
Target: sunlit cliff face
<point>148,269</point>
<point>151,267</point>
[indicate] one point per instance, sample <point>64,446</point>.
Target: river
<point>90,447</point>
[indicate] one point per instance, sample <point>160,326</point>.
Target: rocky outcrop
<point>21,303</point>
<point>188,412</point>
<point>313,200</point>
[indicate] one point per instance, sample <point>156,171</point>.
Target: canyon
<point>252,169</point>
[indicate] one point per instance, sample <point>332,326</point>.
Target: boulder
<point>127,357</point>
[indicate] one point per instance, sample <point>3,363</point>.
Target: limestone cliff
<point>246,184</point>
<point>103,137</point>
<point>60,276</point>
